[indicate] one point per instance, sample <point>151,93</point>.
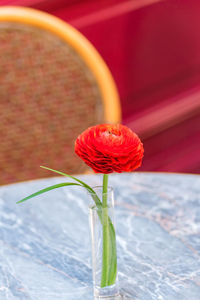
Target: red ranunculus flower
<point>110,148</point>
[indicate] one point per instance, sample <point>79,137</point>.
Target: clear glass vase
<point>103,237</point>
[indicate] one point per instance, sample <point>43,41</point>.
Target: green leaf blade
<point>88,188</point>
<point>52,187</point>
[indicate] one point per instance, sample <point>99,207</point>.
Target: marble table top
<point>45,251</point>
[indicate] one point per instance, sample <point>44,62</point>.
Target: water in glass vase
<point>103,237</point>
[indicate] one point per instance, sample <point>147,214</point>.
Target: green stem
<point>105,190</point>
<point>105,250</point>
<point>112,242</point>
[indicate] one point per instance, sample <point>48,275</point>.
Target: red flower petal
<point>110,148</point>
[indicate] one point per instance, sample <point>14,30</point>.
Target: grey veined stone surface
<point>45,251</point>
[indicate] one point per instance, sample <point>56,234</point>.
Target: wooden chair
<point>53,85</point>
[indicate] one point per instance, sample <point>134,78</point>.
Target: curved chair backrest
<point>53,85</point>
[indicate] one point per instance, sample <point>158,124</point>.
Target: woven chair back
<point>48,96</point>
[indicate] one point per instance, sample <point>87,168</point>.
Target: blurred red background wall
<point>152,48</point>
